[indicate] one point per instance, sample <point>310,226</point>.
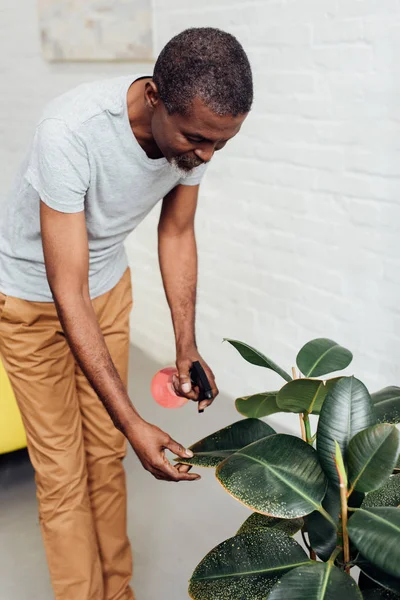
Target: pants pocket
<point>3,300</point>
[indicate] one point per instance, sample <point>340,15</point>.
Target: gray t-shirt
<point>83,156</point>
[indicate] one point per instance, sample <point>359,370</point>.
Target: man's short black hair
<point>207,63</point>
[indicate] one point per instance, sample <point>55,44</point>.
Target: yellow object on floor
<point>12,432</point>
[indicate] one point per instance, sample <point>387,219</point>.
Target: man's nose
<point>205,154</point>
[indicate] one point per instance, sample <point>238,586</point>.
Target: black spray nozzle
<point>199,378</point>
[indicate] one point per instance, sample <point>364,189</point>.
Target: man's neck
<point>140,118</point>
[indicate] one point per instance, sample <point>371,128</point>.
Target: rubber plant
<point>338,487</point>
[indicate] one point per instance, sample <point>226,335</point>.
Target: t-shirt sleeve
<point>195,176</point>
<point>58,167</point>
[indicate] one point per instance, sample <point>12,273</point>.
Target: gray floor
<point>171,526</point>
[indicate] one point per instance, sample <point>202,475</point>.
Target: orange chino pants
<point>73,445</point>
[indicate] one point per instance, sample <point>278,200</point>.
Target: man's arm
<point>66,254</point>
<point>177,253</point>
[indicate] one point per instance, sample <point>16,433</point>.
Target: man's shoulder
<point>86,101</point>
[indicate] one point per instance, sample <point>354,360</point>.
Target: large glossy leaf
<point>212,450</point>
<point>258,405</point>
<point>347,410</point>
<point>322,356</point>
<point>387,404</point>
<point>321,533</point>
<point>371,456</point>
<point>318,581</point>
<point>372,577</point>
<point>255,357</point>
<point>387,495</point>
<point>245,566</point>
<point>258,521</point>
<point>304,395</point>
<point>279,476</point>
<point>376,533</point>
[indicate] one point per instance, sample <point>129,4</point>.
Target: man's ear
<point>151,95</point>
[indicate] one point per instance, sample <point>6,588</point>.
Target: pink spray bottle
<point>163,391</point>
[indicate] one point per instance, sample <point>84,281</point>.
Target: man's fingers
<point>170,473</point>
<point>183,468</point>
<point>189,477</point>
<point>178,449</point>
<point>206,403</point>
<point>192,394</point>
<point>185,383</point>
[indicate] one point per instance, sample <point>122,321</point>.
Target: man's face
<point>187,141</point>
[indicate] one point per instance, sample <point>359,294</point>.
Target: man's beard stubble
<point>185,164</point>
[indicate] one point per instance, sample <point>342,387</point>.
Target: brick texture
<point>299,215</point>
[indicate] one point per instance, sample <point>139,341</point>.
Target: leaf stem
<point>307,426</point>
<point>346,544</point>
<point>303,428</point>
<point>354,562</point>
<point>351,490</point>
<point>302,417</point>
<point>343,483</point>
<point>335,554</point>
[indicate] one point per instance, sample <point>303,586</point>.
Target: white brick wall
<point>299,216</point>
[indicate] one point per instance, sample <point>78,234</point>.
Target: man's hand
<point>182,383</point>
<point>149,443</point>
<point>66,253</point>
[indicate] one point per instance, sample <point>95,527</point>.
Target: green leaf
<point>375,533</point>
<point>322,534</point>
<point>255,357</point>
<point>387,404</point>
<point>258,405</point>
<point>371,456</point>
<point>212,450</point>
<point>371,576</point>
<point>322,356</point>
<point>279,476</point>
<point>304,395</point>
<point>347,410</point>
<point>318,581</point>
<point>246,566</point>
<point>258,521</point>
<point>387,495</point>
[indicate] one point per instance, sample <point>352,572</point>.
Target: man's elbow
<point>175,231</point>
<point>66,291</point>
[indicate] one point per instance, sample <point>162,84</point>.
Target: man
<point>102,156</point>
